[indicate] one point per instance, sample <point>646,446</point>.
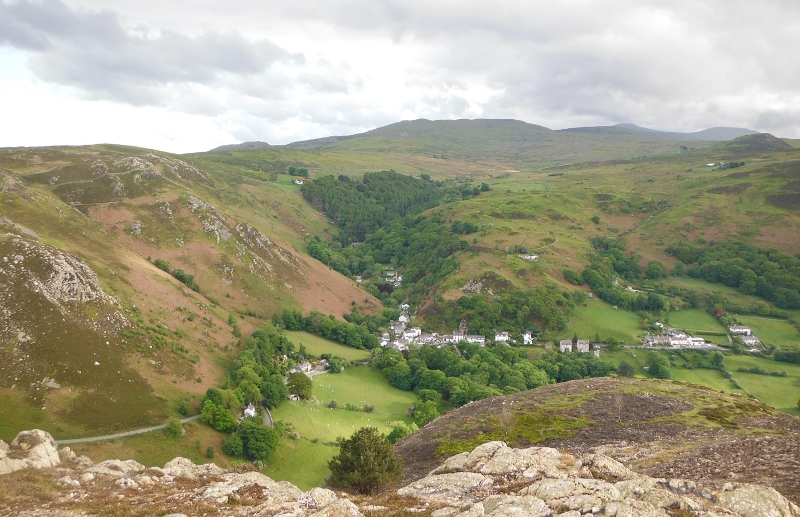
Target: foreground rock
<point>497,480</point>
<point>492,480</point>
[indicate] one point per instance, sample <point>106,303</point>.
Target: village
<point>400,336</point>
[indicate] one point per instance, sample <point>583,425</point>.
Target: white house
<point>697,341</point>
<point>412,332</point>
<point>304,367</point>
<point>565,346</point>
<point>501,337</point>
<point>740,330</point>
<point>527,338</point>
<point>751,340</point>
<point>250,410</point>
<point>582,346</point>
<point>404,318</point>
<point>679,339</point>
<point>298,182</point>
<point>474,338</point>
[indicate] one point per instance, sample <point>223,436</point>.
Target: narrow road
<point>120,435</point>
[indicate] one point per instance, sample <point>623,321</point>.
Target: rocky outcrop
<point>34,449</point>
<point>497,480</point>
<point>492,480</point>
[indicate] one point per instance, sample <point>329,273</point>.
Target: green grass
<point>597,317</point>
<point>305,463</point>
<point>695,320</point>
<point>779,392</point>
<point>317,346</point>
<point>301,462</point>
<point>17,414</point>
<point>363,385</point>
<point>773,331</point>
<point>711,378</point>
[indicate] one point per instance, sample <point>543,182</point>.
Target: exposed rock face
<point>34,449</point>
<point>66,282</point>
<point>496,480</point>
<point>492,480</point>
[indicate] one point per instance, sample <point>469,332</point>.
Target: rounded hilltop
<point>654,427</point>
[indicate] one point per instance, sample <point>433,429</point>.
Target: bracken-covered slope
<point>92,332</point>
<point>658,428</point>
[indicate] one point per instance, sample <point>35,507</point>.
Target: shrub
<point>174,428</point>
<point>233,446</point>
<point>366,462</point>
<point>210,452</point>
<point>625,369</point>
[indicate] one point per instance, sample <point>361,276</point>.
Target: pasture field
<point>710,378</point>
<point>773,331</point>
<point>597,317</point>
<point>304,461</point>
<point>316,345</point>
<point>695,320</point>
<point>779,392</point>
<point>301,462</point>
<point>363,385</point>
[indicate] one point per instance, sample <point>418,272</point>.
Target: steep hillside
<point>127,276</point>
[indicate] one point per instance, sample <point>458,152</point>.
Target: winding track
<point>120,435</point>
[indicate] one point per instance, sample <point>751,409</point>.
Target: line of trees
<point>467,372</point>
<point>350,334</point>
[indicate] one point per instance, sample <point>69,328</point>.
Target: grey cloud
<point>92,52</point>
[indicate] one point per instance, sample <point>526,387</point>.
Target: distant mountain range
<point>508,131</point>
<point>244,146</point>
<point>714,134</point>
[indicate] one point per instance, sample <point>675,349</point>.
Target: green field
<point>772,331</point>
<point>597,317</point>
<point>782,393</point>
<point>301,462</point>
<point>306,463</point>
<point>779,392</point>
<point>317,346</point>
<point>695,320</point>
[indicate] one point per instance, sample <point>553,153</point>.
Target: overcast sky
<point>189,75</point>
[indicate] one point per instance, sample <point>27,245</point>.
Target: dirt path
<point>120,435</point>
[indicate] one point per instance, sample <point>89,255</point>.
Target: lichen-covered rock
<point>117,468</point>
<point>455,488</point>
<point>34,449</point>
<point>184,467</point>
<point>341,508</point>
<point>757,501</point>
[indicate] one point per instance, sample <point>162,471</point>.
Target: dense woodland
<point>360,207</point>
<point>422,247</point>
<point>769,274</point>
<point>541,308</point>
